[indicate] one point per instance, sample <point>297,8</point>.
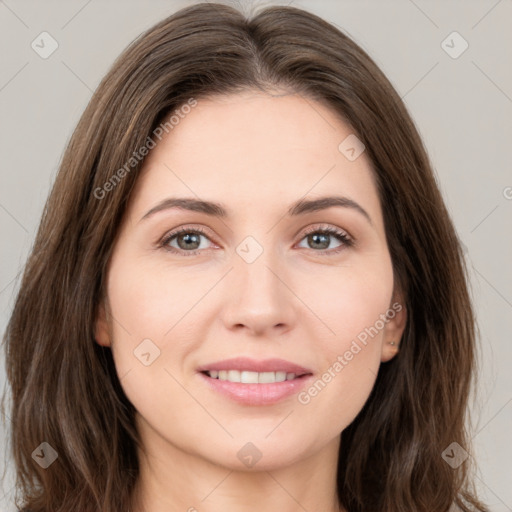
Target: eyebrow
<point>301,207</point>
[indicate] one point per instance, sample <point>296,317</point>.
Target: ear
<point>101,327</point>
<point>394,329</point>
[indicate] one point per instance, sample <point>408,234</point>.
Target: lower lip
<point>257,394</point>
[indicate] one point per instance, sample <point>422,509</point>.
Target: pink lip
<point>252,365</point>
<point>256,394</point>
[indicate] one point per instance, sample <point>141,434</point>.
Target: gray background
<point>462,107</point>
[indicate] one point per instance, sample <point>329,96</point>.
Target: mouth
<point>252,371</point>
<point>255,383</point>
<point>249,377</point>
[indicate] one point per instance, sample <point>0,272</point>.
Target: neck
<point>173,479</point>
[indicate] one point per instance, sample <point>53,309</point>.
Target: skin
<point>256,153</point>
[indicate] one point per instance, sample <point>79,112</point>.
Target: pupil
<point>315,238</point>
<point>187,237</point>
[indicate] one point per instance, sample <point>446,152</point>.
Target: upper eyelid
<point>202,230</point>
<point>324,226</point>
<point>174,232</point>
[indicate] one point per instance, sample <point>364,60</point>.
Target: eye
<point>320,238</point>
<point>188,240</point>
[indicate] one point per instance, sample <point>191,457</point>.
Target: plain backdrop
<point>460,99</point>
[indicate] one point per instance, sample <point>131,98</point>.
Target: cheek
<point>351,305</point>
<point>144,309</point>
<point>144,300</point>
<point>148,309</point>
<point>349,300</point>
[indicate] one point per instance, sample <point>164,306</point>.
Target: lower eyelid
<point>165,241</point>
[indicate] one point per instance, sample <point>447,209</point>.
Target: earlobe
<point>389,350</point>
<point>101,330</point>
<point>394,330</point>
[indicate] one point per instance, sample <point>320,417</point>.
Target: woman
<point>255,370</point>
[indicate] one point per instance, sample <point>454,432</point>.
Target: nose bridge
<point>258,296</point>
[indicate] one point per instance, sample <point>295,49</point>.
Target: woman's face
<point>261,282</point>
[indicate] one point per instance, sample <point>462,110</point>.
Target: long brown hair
<point>65,390</point>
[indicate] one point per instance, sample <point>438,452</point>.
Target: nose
<point>259,299</point>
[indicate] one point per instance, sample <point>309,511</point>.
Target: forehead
<point>252,147</point>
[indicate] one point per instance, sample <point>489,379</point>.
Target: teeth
<point>249,377</point>
<point>233,376</point>
<point>246,377</point>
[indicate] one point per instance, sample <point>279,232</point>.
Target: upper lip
<point>253,365</point>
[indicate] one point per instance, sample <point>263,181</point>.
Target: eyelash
<point>337,233</point>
